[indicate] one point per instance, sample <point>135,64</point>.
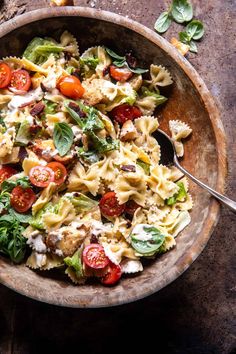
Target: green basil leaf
<point>193,47</point>
<point>184,37</point>
<point>163,22</point>
<point>73,113</point>
<point>103,145</point>
<point>195,29</point>
<point>114,55</point>
<point>138,70</point>
<point>119,63</point>
<point>62,138</point>
<point>182,11</point>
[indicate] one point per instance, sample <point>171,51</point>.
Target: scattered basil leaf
<point>73,113</point>
<point>179,196</point>
<point>195,29</point>
<point>182,11</point>
<point>63,138</point>
<point>184,37</point>
<point>193,47</point>
<point>163,22</point>
<point>138,70</point>
<point>114,55</point>
<point>119,63</point>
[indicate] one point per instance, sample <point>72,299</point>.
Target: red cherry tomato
<point>20,81</point>
<point>113,274</point>
<point>59,170</point>
<point>22,199</point>
<point>5,75</point>
<point>6,172</point>
<point>41,176</point>
<point>70,86</point>
<point>94,256</point>
<point>120,74</point>
<point>131,206</point>
<point>110,206</point>
<point>125,112</point>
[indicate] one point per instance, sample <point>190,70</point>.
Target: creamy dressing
<point>36,242</point>
<point>77,133</point>
<point>97,228</point>
<point>18,101</point>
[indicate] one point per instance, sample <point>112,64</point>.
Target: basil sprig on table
<point>181,11</point>
<point>121,61</point>
<point>63,138</point>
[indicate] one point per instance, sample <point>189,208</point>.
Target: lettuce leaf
<point>159,98</point>
<point>39,49</point>
<point>145,166</point>
<point>178,196</point>
<point>81,202</point>
<point>75,263</point>
<point>23,136</point>
<point>90,156</point>
<point>37,220</point>
<point>90,62</point>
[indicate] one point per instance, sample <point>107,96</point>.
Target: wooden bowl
<point>205,152</point>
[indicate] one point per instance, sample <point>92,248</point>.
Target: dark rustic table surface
<point>195,314</point>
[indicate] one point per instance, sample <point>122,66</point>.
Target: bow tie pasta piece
<point>117,250</point>
<point>31,161</point>
<point>136,82</point>
<point>107,169</point>
<point>7,141</point>
<point>23,63</point>
<point>5,97</point>
<point>146,104</point>
<point>130,266</point>
<point>70,44</point>
<point>45,196</point>
<point>179,130</point>
<point>174,222</point>
<point>146,125</point>
<point>155,214</point>
<point>82,181</point>
<point>160,76</point>
<point>131,185</point>
<point>65,214</point>
<point>159,182</point>
<point>126,156</point>
<point>102,57</point>
<point>43,261</point>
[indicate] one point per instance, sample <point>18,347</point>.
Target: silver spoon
<point>169,157</point>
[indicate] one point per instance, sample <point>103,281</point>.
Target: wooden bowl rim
<point>188,258</point>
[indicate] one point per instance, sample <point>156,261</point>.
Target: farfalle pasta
<point>81,180</point>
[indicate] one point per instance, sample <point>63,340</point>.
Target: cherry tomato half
<point>110,206</point>
<point>113,274</point>
<point>5,75</point>
<point>59,170</point>
<point>20,81</point>
<point>120,74</point>
<point>131,206</point>
<point>41,176</point>
<point>6,172</point>
<point>22,199</point>
<point>125,112</point>
<point>70,86</point>
<point>94,256</point>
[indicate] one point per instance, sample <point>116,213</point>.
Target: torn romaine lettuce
<point>37,220</point>
<point>178,196</point>
<point>23,135</point>
<point>81,202</point>
<point>39,49</point>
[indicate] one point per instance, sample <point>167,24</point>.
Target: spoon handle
<point>226,201</point>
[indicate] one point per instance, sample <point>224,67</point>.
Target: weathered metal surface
<point>201,300</point>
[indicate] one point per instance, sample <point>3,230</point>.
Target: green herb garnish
<point>63,138</point>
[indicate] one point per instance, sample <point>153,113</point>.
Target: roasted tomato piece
<point>70,86</point>
<point>20,81</point>
<point>94,256</point>
<point>41,176</point>
<point>22,199</point>
<point>110,206</point>
<point>131,206</point>
<point>125,112</point>
<point>120,74</point>
<point>5,75</point>
<point>6,172</point>
<point>113,274</point>
<point>59,170</point>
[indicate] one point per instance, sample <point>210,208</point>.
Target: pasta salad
<point>82,187</point>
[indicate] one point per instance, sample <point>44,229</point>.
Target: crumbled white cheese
<point>77,133</point>
<point>36,242</point>
<point>97,228</point>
